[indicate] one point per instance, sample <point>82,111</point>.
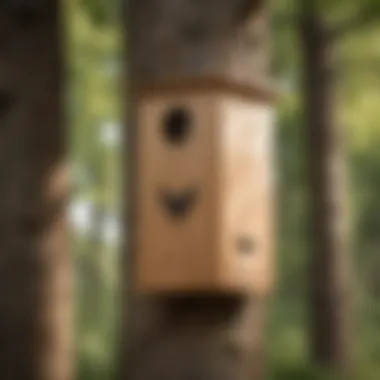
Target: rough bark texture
<point>329,272</point>
<point>208,338</point>
<point>34,289</point>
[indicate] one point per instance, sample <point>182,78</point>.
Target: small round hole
<point>177,125</point>
<point>245,245</point>
<point>178,204</point>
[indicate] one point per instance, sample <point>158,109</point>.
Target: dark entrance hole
<point>177,126</point>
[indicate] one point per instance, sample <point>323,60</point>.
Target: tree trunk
<point>329,272</point>
<point>213,338</point>
<point>34,293</point>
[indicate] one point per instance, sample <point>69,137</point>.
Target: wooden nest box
<point>204,218</point>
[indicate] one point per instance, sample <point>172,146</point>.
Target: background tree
<point>35,286</point>
<point>331,294</point>
<point>321,26</point>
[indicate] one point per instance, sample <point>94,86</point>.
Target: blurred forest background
<point>94,49</point>
<point>94,102</point>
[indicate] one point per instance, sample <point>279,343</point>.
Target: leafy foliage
<point>102,12</point>
<point>93,51</point>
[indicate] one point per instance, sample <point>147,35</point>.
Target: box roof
<point>210,84</point>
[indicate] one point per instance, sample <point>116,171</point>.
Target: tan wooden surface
<point>246,187</point>
<point>226,162</point>
<point>176,254</point>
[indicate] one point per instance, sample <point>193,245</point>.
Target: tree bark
<point>34,270</point>
<point>209,338</point>
<point>329,272</point>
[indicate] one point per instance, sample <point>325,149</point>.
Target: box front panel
<point>246,181</point>
<point>175,229</point>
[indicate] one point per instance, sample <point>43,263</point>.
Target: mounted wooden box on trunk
<point>208,335</point>
<point>204,187</point>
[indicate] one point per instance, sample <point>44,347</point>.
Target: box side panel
<point>247,195</point>
<point>175,225</point>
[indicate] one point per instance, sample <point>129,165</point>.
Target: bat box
<point>204,188</point>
